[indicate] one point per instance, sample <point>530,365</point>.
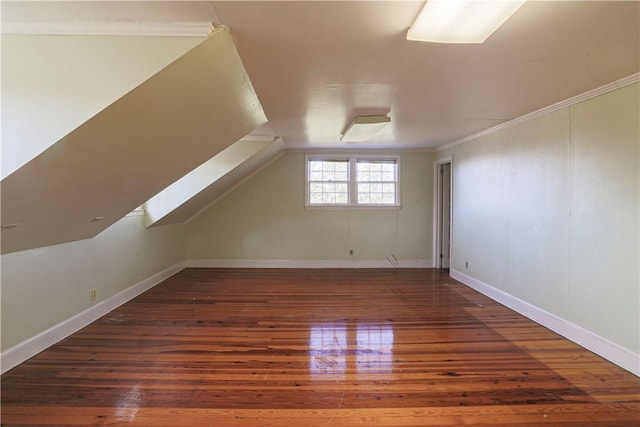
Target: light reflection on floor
<point>127,408</point>
<point>329,349</point>
<point>374,352</point>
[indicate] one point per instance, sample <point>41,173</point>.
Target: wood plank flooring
<point>396,347</point>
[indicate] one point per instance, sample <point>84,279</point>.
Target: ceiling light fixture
<point>461,21</point>
<point>362,128</point>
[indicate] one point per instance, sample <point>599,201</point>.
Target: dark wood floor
<point>216,347</point>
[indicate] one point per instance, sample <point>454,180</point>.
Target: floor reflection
<point>128,406</point>
<point>374,349</point>
<point>328,350</point>
<point>329,343</point>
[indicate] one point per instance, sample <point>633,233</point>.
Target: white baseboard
<point>611,351</point>
<point>293,263</point>
<point>34,345</point>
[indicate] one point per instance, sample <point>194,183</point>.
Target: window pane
<point>363,176</point>
<point>341,176</point>
<point>389,199</point>
<point>315,198</point>
<point>375,167</point>
<point>328,188</point>
<point>315,176</point>
<point>388,176</point>
<point>363,198</point>
<point>315,187</point>
<point>342,166</point>
<point>375,176</point>
<point>315,165</point>
<point>328,198</point>
<point>388,188</point>
<point>389,167</point>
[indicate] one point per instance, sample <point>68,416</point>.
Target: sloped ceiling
<point>317,64</point>
<point>61,82</point>
<point>225,183</point>
<point>189,111</point>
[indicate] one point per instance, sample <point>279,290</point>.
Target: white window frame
<point>353,183</point>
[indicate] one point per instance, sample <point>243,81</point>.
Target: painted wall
<point>132,149</point>
<point>548,211</point>
<point>265,219</point>
<point>59,82</point>
<point>45,286</point>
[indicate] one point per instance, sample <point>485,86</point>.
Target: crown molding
<point>617,84</point>
<point>108,28</point>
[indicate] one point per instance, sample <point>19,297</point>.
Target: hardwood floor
<point>397,347</point>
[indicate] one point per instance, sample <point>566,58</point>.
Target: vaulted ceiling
<point>315,65</point>
<point>185,114</point>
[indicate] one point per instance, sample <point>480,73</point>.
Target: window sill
<point>352,208</point>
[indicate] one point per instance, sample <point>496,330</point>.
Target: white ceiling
<point>316,65</point>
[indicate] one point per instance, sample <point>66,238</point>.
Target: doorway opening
<point>442,214</point>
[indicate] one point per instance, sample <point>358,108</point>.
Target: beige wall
<point>45,286</point>
<point>265,219</point>
<point>59,82</point>
<point>547,211</point>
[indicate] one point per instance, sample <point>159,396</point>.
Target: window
<point>354,181</point>
<point>377,181</point>
<point>328,181</point>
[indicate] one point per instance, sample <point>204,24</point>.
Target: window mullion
<point>353,183</point>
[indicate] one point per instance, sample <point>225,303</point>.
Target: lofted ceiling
<point>317,64</point>
<point>183,115</point>
<point>314,66</point>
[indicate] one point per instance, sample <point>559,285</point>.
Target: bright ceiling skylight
<point>461,21</point>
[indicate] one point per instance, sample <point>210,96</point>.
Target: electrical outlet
<point>350,252</point>
<point>94,294</point>
<point>466,264</point>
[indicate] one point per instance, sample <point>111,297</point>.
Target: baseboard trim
<point>293,263</point>
<point>601,346</point>
<point>34,345</point>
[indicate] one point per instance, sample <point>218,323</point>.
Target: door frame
<point>437,204</point>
